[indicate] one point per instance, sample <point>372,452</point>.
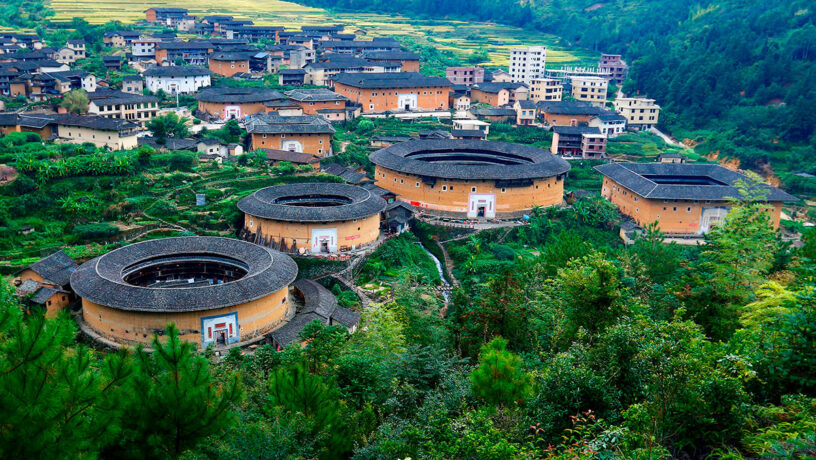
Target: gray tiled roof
<point>95,122</point>
<point>100,280</point>
<point>569,108</point>
<point>348,175</point>
<point>321,305</point>
<point>44,293</point>
<point>106,96</point>
<point>469,159</point>
<point>276,124</point>
<point>576,130</point>
<point>636,177</point>
<point>493,111</point>
<point>286,155</point>
<point>177,71</point>
<point>315,95</point>
<point>265,203</point>
<point>56,268</point>
<point>390,80</point>
<point>395,55</point>
<point>289,332</point>
<point>225,94</point>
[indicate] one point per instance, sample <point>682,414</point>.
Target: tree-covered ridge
<point>735,73</point>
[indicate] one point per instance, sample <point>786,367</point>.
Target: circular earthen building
<point>216,290</point>
<point>471,178</point>
<point>312,218</point>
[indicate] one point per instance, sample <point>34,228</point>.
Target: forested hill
<point>741,68</point>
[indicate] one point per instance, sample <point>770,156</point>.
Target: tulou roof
<point>312,202</point>
<point>276,124</point>
<point>683,181</point>
<point>315,95</point>
<point>101,280</point>
<point>390,80</point>
<point>225,94</point>
<point>466,159</point>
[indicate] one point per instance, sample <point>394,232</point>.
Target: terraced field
<point>462,38</point>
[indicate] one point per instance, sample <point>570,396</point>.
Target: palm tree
<point>75,101</point>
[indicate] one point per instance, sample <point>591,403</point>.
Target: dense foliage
<point>736,74</point>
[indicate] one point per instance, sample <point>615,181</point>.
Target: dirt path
<point>668,139</point>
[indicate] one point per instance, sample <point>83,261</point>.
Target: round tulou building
<point>471,178</point>
<point>312,218</point>
<point>216,290</point>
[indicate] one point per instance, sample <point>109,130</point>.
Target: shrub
<point>503,252</point>
<point>95,231</point>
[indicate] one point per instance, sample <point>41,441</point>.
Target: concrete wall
<point>672,216</point>
<point>455,198</point>
<point>254,318</point>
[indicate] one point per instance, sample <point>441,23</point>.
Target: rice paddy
<point>460,37</point>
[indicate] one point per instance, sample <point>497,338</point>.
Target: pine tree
<point>499,379</point>
<point>53,397</point>
<point>172,401</point>
<point>294,392</point>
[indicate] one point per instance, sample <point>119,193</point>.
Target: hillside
<point>736,74</point>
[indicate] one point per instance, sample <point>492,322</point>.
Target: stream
<point>445,294</point>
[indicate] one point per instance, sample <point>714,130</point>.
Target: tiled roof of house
<point>348,175</point>
<point>232,56</point>
<point>293,157</point>
<point>569,108</point>
<point>56,268</point>
<point>391,55</point>
<point>95,122</point>
<point>683,181</point>
<point>319,304</point>
<point>107,96</point>
<point>576,130</point>
<point>493,111</point>
<point>177,71</point>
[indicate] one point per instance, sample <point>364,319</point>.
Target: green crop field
<point>459,37</point>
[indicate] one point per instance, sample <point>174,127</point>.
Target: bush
<point>95,231</point>
<point>503,252</point>
<point>182,161</point>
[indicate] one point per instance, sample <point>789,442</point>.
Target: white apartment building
<point>527,64</point>
<point>186,79</point>
<point>590,89</point>
<point>640,112</point>
<point>546,89</point>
